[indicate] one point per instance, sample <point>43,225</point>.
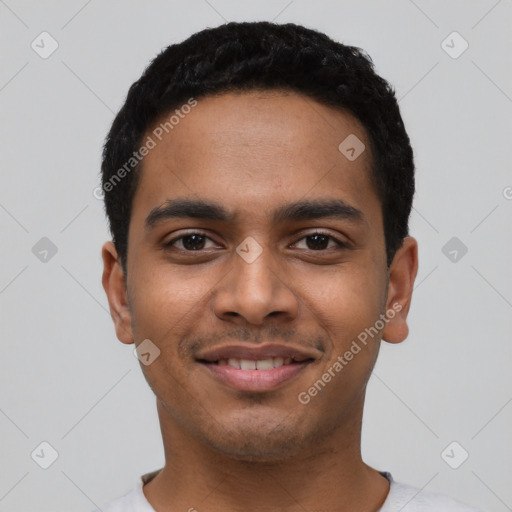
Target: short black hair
<point>262,55</point>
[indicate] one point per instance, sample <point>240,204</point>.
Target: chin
<point>256,450</point>
<point>260,441</point>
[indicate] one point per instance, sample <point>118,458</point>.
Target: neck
<point>327,476</point>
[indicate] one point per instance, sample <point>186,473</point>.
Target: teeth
<point>278,361</point>
<point>261,364</point>
<point>246,364</point>
<point>265,364</point>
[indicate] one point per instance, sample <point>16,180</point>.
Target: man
<point>258,182</point>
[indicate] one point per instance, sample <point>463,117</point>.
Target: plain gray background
<point>64,377</point>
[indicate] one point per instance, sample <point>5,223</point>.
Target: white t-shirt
<point>401,498</point>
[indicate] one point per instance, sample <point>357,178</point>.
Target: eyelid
<point>327,234</point>
<point>188,233</point>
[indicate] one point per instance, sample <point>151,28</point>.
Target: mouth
<point>256,369</point>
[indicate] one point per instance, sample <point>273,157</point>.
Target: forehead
<point>252,150</point>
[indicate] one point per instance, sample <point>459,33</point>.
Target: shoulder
<point>406,498</point>
<point>133,501</point>
<point>130,502</point>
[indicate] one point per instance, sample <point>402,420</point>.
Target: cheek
<point>345,308</point>
<point>165,309</point>
<point>344,302</point>
<point>162,301</point>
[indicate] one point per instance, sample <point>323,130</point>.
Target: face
<point>256,257</point>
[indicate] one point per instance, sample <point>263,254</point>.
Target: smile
<point>259,375</point>
<point>261,368</point>
<point>260,364</point>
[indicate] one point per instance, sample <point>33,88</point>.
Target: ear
<point>114,284</point>
<point>402,274</point>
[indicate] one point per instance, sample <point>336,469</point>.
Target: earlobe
<point>402,274</point>
<point>114,284</point>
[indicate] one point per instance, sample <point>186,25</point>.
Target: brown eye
<point>193,242</point>
<point>317,242</point>
<point>320,242</point>
<point>190,242</point>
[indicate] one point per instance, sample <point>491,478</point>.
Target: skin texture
<point>253,152</point>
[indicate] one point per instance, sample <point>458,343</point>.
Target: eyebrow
<point>209,210</point>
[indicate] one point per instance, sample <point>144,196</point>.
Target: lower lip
<point>255,380</point>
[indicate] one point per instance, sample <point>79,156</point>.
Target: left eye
<point>319,241</point>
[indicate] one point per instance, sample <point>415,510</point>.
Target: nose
<point>253,291</point>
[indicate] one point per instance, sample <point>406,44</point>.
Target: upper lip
<point>258,353</point>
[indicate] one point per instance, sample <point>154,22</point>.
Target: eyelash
<point>339,243</point>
